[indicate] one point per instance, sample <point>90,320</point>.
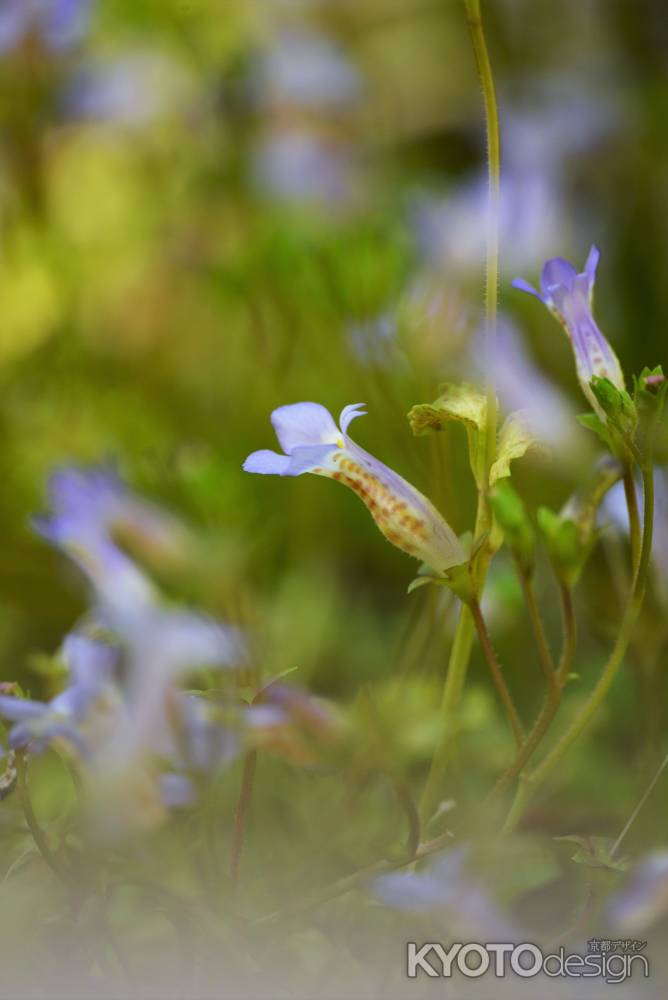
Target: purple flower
<point>568,295</point>
<point>293,165</point>
<point>308,70</point>
<point>86,504</point>
<point>61,24</point>
<point>445,888</point>
<point>313,443</point>
<point>37,724</point>
<point>644,899</point>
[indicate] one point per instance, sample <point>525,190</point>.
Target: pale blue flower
<point>91,667</point>
<point>306,69</point>
<point>445,889</point>
<point>295,165</point>
<point>86,503</point>
<point>644,899</point>
<point>312,442</point>
<point>569,296</point>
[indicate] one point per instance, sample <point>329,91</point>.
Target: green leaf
<point>459,403</point>
<point>594,423</point>
<point>462,402</point>
<point>514,522</point>
<point>595,852</point>
<point>515,439</point>
<point>567,545</point>
<point>620,410</point>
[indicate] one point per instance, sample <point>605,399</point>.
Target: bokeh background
<point>209,208</point>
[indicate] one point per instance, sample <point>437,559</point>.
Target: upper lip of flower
<point>559,279</point>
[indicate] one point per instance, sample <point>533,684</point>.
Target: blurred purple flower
<point>296,165</point>
<point>130,90</point>
<point>60,24</point>
<point>374,341</point>
<point>644,899</point>
<point>160,642</point>
<point>313,443</point>
<point>86,504</point>
<point>521,385</point>
<point>450,231</point>
<point>304,68</point>
<point>444,888</point>
<point>614,509</point>
<point>569,296</point>
<point>91,665</point>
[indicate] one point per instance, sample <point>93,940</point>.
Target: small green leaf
<point>514,522</point>
<point>460,403</point>
<point>595,852</point>
<point>620,412</point>
<point>594,423</point>
<point>515,440</point>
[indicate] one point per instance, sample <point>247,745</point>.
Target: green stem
<point>634,815</point>
<point>357,879</point>
<point>479,43</point>
<point>452,691</point>
<point>497,673</point>
<point>463,639</point>
<point>634,517</point>
<point>38,834</point>
<point>241,814</point>
<point>544,654</point>
<point>552,697</point>
<point>530,782</point>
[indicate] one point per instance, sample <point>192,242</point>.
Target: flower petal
<point>557,273</point>
<point>524,286</point>
<point>267,463</point>
<point>350,413</point>
<point>21,709</point>
<point>311,459</point>
<point>590,268</point>
<point>303,424</point>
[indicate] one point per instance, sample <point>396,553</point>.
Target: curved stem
<point>544,654</point>
<point>479,43</point>
<point>361,877</point>
<point>497,673</point>
<point>552,697</point>
<point>241,814</point>
<point>634,517</point>
<point>530,782</point>
<point>38,834</point>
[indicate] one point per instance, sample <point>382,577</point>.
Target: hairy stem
<point>529,782</point>
<point>544,654</point>
<point>452,691</point>
<point>552,697</point>
<point>476,30</point>
<point>462,643</point>
<point>497,673</point>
